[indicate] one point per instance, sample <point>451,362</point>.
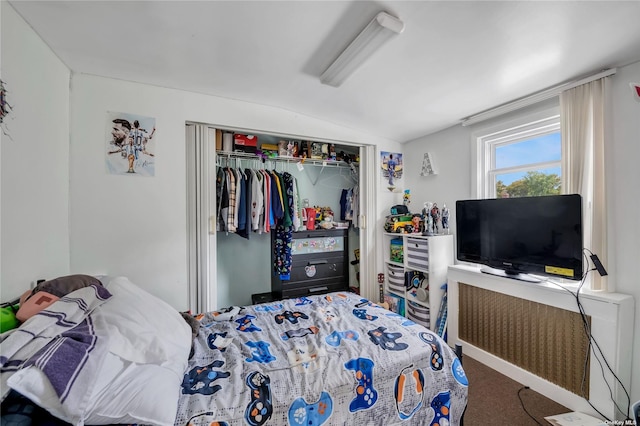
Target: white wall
<point>35,159</point>
<point>623,175</point>
<point>451,158</point>
<point>136,226</point>
<point>452,153</point>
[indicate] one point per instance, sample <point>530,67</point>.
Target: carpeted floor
<point>493,399</point>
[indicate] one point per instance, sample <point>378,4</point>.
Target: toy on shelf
<point>401,221</point>
<point>445,218</point>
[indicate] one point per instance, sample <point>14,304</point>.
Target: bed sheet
<point>330,359</point>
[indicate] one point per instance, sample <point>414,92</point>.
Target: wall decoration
<point>427,165</point>
<point>635,88</point>
<point>391,168</point>
<point>130,144</point>
<point>5,108</point>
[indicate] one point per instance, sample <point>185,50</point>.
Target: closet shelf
<point>305,161</point>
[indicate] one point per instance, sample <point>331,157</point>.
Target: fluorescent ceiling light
<point>374,35</point>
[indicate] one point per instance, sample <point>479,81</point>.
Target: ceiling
<point>454,58</point>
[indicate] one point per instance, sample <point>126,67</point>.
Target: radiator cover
<point>547,341</point>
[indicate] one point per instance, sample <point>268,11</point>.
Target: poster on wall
<point>130,146</point>
<point>391,168</point>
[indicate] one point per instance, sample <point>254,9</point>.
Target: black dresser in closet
<point>320,264</point>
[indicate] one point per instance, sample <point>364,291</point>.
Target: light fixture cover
<point>374,35</point>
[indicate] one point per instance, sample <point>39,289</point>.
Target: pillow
<point>64,285</point>
<point>129,393</point>
<point>143,328</point>
<point>149,344</point>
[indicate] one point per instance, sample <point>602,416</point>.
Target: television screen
<point>538,235</point>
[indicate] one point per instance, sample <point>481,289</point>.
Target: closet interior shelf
<point>305,161</point>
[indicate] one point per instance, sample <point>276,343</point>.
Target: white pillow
<point>143,328</point>
<point>148,351</point>
<point>129,393</point>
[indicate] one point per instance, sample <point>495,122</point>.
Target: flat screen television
<point>519,236</point>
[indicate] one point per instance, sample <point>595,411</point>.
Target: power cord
<point>593,343</point>
<point>524,408</point>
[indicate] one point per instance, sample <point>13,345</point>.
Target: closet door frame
<point>201,217</point>
<point>202,208</point>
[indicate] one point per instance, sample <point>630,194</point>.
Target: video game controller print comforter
<point>331,359</point>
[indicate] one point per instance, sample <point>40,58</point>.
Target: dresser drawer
<point>319,267</point>
<point>320,286</point>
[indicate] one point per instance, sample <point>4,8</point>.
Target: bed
<point>115,354</point>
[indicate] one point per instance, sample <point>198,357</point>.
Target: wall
<point>136,226</point>
<point>455,162</point>
<point>451,158</point>
<point>623,175</point>
<point>35,159</point>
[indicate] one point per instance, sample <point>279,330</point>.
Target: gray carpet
<point>493,399</point>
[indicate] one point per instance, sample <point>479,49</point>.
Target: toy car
<point>399,223</point>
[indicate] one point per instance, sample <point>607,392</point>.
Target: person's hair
<point>125,123</point>
<point>136,124</point>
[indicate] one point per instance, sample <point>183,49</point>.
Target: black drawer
<point>317,287</point>
<point>317,268</point>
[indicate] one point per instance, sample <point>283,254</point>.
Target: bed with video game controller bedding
<point>329,359</point>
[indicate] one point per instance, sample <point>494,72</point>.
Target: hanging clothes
<point>284,228</point>
<point>244,220</point>
<point>222,200</point>
<point>349,205</point>
<point>257,199</point>
<point>231,185</point>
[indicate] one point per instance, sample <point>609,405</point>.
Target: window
<point>522,161</point>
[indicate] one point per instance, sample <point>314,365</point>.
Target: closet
<point>244,262</point>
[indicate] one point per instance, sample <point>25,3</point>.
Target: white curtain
<point>583,129</point>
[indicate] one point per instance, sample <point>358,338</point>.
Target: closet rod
<point>304,161</point>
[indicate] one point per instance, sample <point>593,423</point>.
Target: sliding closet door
<point>369,287</point>
<point>201,208</point>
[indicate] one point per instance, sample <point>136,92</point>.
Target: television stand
<point>510,274</point>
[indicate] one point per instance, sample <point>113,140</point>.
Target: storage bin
<point>395,279</point>
<point>418,253</point>
<point>418,314</point>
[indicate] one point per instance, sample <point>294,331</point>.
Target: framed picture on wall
<point>391,170</point>
<point>130,147</point>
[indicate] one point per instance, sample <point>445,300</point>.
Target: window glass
<point>527,184</point>
<point>536,150</point>
<point>522,161</point>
